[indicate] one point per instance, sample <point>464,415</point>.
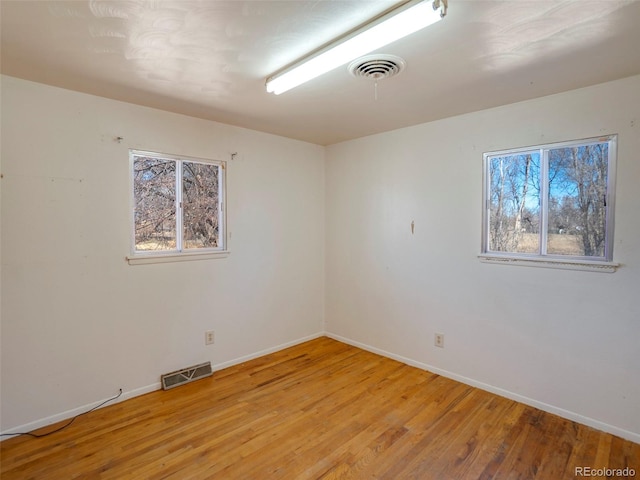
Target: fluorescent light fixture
<point>394,25</point>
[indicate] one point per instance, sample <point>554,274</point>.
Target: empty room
<point>318,239</point>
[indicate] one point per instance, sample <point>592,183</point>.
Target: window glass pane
<point>155,203</point>
<point>200,182</point>
<point>577,195</point>
<point>514,196</point>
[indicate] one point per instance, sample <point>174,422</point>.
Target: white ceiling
<point>210,58</point>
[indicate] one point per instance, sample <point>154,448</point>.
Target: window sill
<point>582,265</point>
<point>175,257</point>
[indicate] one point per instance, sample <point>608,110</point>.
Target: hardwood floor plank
<point>318,410</point>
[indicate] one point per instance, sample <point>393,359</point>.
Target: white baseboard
<point>569,415</point>
<point>59,417</point>
<point>620,432</point>
<point>43,422</point>
<point>267,351</point>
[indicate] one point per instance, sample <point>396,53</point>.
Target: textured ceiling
<point>209,58</point>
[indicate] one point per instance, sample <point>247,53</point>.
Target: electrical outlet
<point>438,340</point>
<point>209,337</point>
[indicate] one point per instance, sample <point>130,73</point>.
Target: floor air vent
<point>186,375</point>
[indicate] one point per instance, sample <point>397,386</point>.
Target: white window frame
<point>543,259</point>
<point>179,254</point>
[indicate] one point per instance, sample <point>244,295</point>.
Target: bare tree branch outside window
<point>154,186</point>
<point>177,204</point>
<point>200,205</point>
<point>563,190</point>
<point>514,203</point>
<point>577,205</point>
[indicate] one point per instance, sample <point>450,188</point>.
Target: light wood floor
<point>319,410</point>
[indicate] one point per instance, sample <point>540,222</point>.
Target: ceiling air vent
<point>377,67</point>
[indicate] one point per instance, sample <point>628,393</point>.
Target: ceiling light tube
<point>396,24</point>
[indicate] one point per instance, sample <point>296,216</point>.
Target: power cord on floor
<point>40,435</point>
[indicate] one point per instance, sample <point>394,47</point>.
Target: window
<point>551,202</point>
<point>178,205</point>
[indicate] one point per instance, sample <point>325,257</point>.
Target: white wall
<point>78,322</point>
<point>566,341</point>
